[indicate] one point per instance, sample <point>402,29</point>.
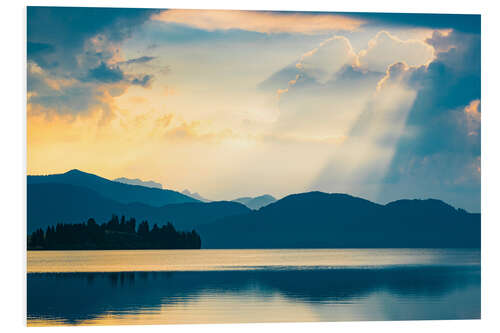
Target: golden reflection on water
<point>202,260</point>
<point>246,286</point>
<point>252,308</point>
<point>214,309</point>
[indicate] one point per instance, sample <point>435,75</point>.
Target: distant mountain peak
<point>137,181</point>
<point>77,172</point>
<point>256,202</point>
<point>80,173</point>
<point>195,195</point>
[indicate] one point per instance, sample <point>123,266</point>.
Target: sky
<point>245,103</point>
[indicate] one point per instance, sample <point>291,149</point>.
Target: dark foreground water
<point>242,286</point>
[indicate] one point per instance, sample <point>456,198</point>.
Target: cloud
<point>106,74</point>
<point>320,64</point>
<point>385,49</point>
<point>290,83</point>
<point>473,115</point>
<point>394,73</point>
<point>336,53</point>
<point>473,110</point>
<point>329,94</point>
<point>139,60</point>
<point>311,108</point>
<point>331,84</point>
<point>441,41</point>
<point>66,30</point>
<point>164,121</point>
<point>191,132</point>
<point>144,81</point>
<point>445,118</point>
<point>172,128</point>
<point>328,58</point>
<point>74,56</point>
<point>460,51</point>
<point>459,22</point>
<point>259,21</point>
<point>378,123</point>
<point>113,74</point>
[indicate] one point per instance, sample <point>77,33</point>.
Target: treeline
<point>115,234</point>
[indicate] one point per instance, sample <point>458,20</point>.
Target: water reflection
<point>205,260</point>
<point>392,293</point>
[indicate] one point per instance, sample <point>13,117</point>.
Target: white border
<point>13,166</point>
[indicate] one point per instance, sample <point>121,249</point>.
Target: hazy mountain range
<point>195,195</point>
<point>256,202</point>
<point>139,182</point>
<point>313,219</point>
<point>250,202</point>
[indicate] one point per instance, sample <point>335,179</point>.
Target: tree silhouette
<point>114,234</point>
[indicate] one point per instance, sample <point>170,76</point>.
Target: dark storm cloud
<point>67,28</point>
<point>461,23</point>
<point>444,155</point>
<point>78,45</point>
<point>449,83</point>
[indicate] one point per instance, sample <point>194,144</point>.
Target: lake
<point>244,286</point>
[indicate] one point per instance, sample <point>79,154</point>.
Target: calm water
<point>242,286</point>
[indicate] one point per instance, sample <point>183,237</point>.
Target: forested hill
<point>322,220</point>
<point>113,235</point>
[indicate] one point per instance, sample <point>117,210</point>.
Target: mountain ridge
<point>124,193</point>
<point>311,219</point>
<point>256,202</point>
<point>195,195</point>
<point>51,203</point>
<point>137,181</point>
<point>336,220</point>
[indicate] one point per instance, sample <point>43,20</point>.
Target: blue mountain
<point>304,220</point>
<point>137,181</point>
<point>256,202</point>
<point>324,220</point>
<point>52,203</point>
<point>117,191</point>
